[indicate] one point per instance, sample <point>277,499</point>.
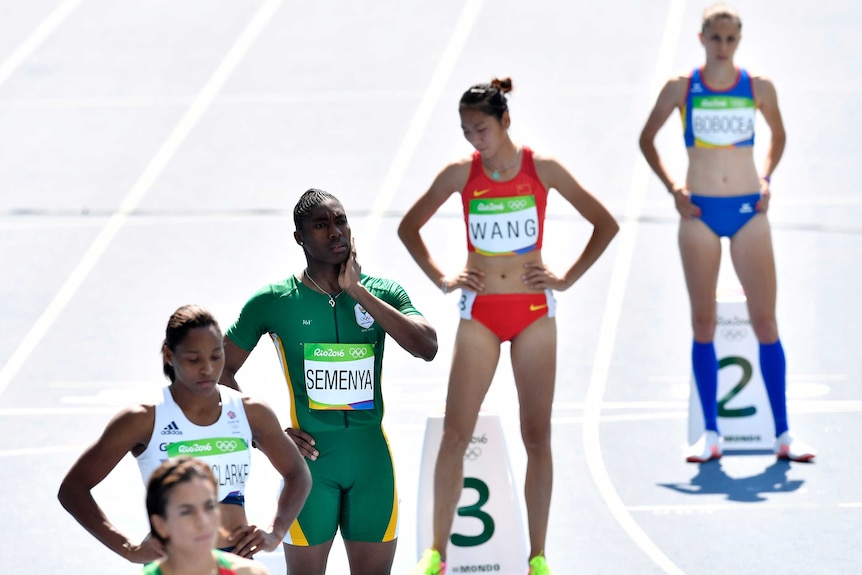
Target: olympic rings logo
<point>734,334</point>
<point>517,204</point>
<point>226,445</point>
<point>358,352</point>
<point>473,453</point>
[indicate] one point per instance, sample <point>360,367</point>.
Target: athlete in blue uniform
<point>725,195</point>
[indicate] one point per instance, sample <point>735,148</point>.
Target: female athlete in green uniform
<point>329,323</point>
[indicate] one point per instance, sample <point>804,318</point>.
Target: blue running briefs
<point>725,215</point>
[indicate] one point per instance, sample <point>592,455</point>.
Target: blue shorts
<point>725,215</point>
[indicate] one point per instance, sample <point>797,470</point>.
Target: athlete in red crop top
<point>506,294</point>
<point>504,218</point>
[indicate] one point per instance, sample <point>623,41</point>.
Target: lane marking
<point>418,124</point>
<point>791,377</point>
<point>31,411</point>
<point>742,505</point>
<point>116,401</point>
<point>41,450</point>
<point>611,316</point>
<point>36,38</point>
<point>290,98</point>
<point>152,171</point>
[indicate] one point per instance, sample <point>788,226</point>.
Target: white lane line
<point>611,317</point>
<point>741,506</point>
<point>791,378</point>
<point>419,122</point>
<point>180,132</point>
<point>29,451</point>
<point>36,38</point>
<point>114,403</point>
<point>291,98</point>
<point>31,411</point>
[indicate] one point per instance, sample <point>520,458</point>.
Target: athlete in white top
<point>193,356</point>
<point>224,445</point>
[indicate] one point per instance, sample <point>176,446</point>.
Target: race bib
<point>722,120</point>
<point>229,458</point>
<point>503,226</point>
<point>339,375</point>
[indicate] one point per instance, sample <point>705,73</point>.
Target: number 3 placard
<point>488,531</point>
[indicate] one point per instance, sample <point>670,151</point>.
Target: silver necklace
<point>496,171</point>
<point>331,298</point>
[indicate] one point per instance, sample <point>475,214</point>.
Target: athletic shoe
<point>707,447</point>
<point>788,447</point>
<point>430,564</point>
<point>538,566</point>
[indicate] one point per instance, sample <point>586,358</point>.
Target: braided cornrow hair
<point>307,202</point>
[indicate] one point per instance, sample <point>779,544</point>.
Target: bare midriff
<point>503,273</point>
<point>722,172</point>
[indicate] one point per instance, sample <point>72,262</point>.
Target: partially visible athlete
<point>185,519</point>
<point>506,295</point>
<point>329,323</point>
<point>725,196</point>
<point>195,416</point>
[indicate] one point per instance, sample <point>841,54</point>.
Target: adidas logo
<point>745,208</point>
<point>172,429</point>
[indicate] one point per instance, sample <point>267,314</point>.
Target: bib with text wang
<point>503,226</point>
<point>722,120</point>
<point>339,375</point>
<point>229,458</point>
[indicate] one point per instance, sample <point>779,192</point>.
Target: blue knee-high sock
<point>705,366</point>
<point>774,370</point>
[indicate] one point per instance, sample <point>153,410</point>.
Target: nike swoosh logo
<point>477,193</point>
<point>538,307</point>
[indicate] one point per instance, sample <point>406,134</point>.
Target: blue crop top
<point>719,118</point>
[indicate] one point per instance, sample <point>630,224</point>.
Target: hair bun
<point>504,84</point>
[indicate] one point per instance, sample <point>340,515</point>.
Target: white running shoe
<point>788,447</point>
<point>706,448</point>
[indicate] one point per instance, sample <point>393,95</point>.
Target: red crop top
<point>504,218</point>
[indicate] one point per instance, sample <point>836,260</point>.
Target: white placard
<point>488,531</point>
<point>744,415</point>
